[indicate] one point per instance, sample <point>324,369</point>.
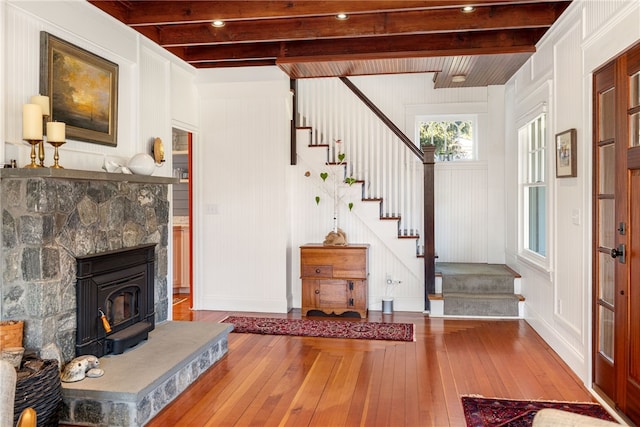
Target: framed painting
<point>566,164</point>
<point>82,90</point>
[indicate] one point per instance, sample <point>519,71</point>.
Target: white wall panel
<point>542,61</point>
<point>394,94</point>
<point>461,212</point>
<point>600,13</point>
<point>612,27</point>
<point>242,245</point>
<point>156,106</point>
<point>85,22</point>
<point>511,174</point>
<point>571,288</point>
<point>184,96</point>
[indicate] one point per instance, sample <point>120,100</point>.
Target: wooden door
<point>616,214</point>
<point>631,346</point>
<point>333,294</point>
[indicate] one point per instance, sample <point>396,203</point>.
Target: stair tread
<point>468,295</point>
<point>465,269</point>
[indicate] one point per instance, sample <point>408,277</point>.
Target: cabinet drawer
<point>325,271</point>
<point>347,262</point>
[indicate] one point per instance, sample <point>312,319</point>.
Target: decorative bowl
<point>142,164</point>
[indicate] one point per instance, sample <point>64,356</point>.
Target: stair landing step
<point>463,269</point>
<point>466,304</point>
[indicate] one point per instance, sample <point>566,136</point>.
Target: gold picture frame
<point>82,90</point>
<point>566,164</point>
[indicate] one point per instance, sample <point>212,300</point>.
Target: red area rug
<point>483,412</point>
<point>322,328</point>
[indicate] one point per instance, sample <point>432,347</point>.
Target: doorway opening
<point>182,218</point>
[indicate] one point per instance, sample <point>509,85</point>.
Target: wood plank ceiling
<point>306,39</point>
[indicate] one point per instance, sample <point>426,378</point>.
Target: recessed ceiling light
<point>468,9</point>
<point>458,78</point>
<point>218,23</point>
<point>342,16</point>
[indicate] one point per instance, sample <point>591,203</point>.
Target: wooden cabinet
<point>181,279</point>
<point>334,278</point>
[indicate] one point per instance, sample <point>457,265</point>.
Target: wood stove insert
<point>118,285</point>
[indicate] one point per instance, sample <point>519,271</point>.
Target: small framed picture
<point>566,164</point>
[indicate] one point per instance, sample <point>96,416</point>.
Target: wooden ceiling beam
<point>137,12</point>
<point>365,25</point>
<point>452,44</point>
<point>491,42</point>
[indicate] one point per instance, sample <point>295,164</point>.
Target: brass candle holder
<point>56,156</point>
<point>41,153</point>
<point>33,143</point>
<point>41,143</point>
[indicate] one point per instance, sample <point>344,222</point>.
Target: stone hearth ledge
<point>140,382</point>
<point>84,175</point>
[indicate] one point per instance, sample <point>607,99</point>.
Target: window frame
<point>530,256</point>
<point>452,117</point>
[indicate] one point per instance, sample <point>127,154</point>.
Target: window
<point>452,136</point>
<point>532,138</point>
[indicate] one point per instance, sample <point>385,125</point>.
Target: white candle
<point>32,122</point>
<point>55,131</point>
<point>43,102</point>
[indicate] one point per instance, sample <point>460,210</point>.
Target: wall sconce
<point>158,151</point>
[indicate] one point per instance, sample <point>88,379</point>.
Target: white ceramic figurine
<point>78,368</point>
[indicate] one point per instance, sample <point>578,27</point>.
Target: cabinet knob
<point>317,271</point>
<point>317,291</point>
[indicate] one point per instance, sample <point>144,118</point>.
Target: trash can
<point>387,305</point>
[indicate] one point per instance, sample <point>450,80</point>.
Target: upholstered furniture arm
<point>7,393</point>
<point>557,418</point>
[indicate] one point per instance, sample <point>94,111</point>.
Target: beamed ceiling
<point>305,39</point>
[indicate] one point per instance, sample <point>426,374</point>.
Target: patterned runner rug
<point>484,412</point>
<point>323,328</point>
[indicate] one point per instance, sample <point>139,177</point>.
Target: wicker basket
<point>42,391</point>
<point>11,333</point>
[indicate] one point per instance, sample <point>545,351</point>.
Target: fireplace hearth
<point>114,293</point>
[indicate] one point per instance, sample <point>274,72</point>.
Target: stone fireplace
<point>64,232</point>
<point>50,219</point>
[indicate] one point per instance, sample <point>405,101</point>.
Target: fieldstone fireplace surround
<point>52,220</point>
<point>50,217</point>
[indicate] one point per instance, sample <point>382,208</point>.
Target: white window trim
<point>473,118</point>
<point>529,257</point>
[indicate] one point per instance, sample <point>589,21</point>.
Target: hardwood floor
<point>296,381</point>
